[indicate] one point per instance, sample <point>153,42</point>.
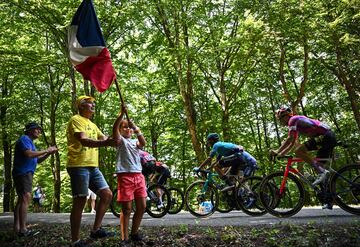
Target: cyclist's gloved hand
<point>196,169</point>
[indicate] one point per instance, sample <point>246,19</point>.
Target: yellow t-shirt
<point>78,155</point>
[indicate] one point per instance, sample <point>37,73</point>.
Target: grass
<point>285,235</point>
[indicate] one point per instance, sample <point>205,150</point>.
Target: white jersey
<point>127,156</point>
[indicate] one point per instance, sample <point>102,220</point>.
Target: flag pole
<point>121,98</point>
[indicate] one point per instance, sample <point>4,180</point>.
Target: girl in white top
<point>131,182</point>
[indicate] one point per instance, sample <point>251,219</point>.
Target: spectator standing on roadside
<point>83,140</point>
<point>131,182</point>
<point>26,158</point>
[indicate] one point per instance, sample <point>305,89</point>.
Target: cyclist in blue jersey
<point>229,155</point>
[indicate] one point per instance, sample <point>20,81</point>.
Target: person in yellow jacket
<point>83,140</point>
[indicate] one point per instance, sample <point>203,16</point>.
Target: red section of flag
<point>98,70</point>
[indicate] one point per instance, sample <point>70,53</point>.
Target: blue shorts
<point>84,178</point>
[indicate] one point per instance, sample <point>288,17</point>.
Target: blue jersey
<point>248,158</point>
<point>23,164</point>
<point>223,149</point>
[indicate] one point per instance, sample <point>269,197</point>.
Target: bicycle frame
<point>209,180</point>
<point>290,169</point>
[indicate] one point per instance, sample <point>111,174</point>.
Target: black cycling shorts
<point>324,144</point>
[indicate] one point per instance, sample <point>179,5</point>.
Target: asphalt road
<point>235,218</point>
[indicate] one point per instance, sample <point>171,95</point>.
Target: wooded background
<point>186,68</point>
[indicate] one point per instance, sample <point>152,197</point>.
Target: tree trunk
<point>343,78</point>
<point>55,163</point>
<point>6,145</point>
<point>175,40</point>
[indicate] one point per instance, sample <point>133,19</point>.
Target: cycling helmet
<point>283,111</point>
<point>213,136</point>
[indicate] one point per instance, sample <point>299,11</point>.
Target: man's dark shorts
<point>23,183</point>
<point>324,144</point>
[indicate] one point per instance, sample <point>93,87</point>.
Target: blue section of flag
<point>89,31</point>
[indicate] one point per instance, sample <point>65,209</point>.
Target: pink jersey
<point>145,157</point>
<point>306,126</point>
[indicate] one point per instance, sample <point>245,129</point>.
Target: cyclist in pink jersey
<point>321,138</point>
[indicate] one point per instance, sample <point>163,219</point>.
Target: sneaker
<point>321,178</point>
<point>80,243</point>
<point>241,192</point>
<point>28,233</point>
<point>160,206</point>
<point>227,188</point>
<point>136,237</point>
<point>93,211</point>
<point>327,206</point>
<point>125,243</point>
<point>250,202</point>
<point>101,233</point>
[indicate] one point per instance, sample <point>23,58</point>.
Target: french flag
<point>87,48</point>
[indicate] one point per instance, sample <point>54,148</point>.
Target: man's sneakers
<point>160,205</point>
<point>136,237</point>
<point>132,238</point>
<point>321,178</point>
<point>101,233</point>
<point>125,243</point>
<point>79,243</point>
<point>28,233</point>
<point>327,206</point>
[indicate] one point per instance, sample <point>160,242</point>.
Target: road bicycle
<point>342,187</point>
<point>176,197</point>
<point>153,207</point>
<point>205,196</point>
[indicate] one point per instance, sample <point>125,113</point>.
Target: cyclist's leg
<point>161,178</point>
<point>219,170</point>
<point>250,169</point>
<point>302,151</point>
<point>327,144</point>
<point>164,175</point>
<point>233,170</point>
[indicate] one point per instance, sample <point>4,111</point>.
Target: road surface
<point>235,218</point>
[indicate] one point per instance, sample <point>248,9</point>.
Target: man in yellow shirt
<point>83,139</point>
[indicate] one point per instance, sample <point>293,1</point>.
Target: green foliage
<point>222,55</point>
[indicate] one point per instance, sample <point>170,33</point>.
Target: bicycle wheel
<point>177,200</point>
<point>248,196</point>
<point>115,207</point>
<point>345,188</point>
<point>286,204</point>
<point>226,201</point>
<point>153,204</point>
<point>201,200</point>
